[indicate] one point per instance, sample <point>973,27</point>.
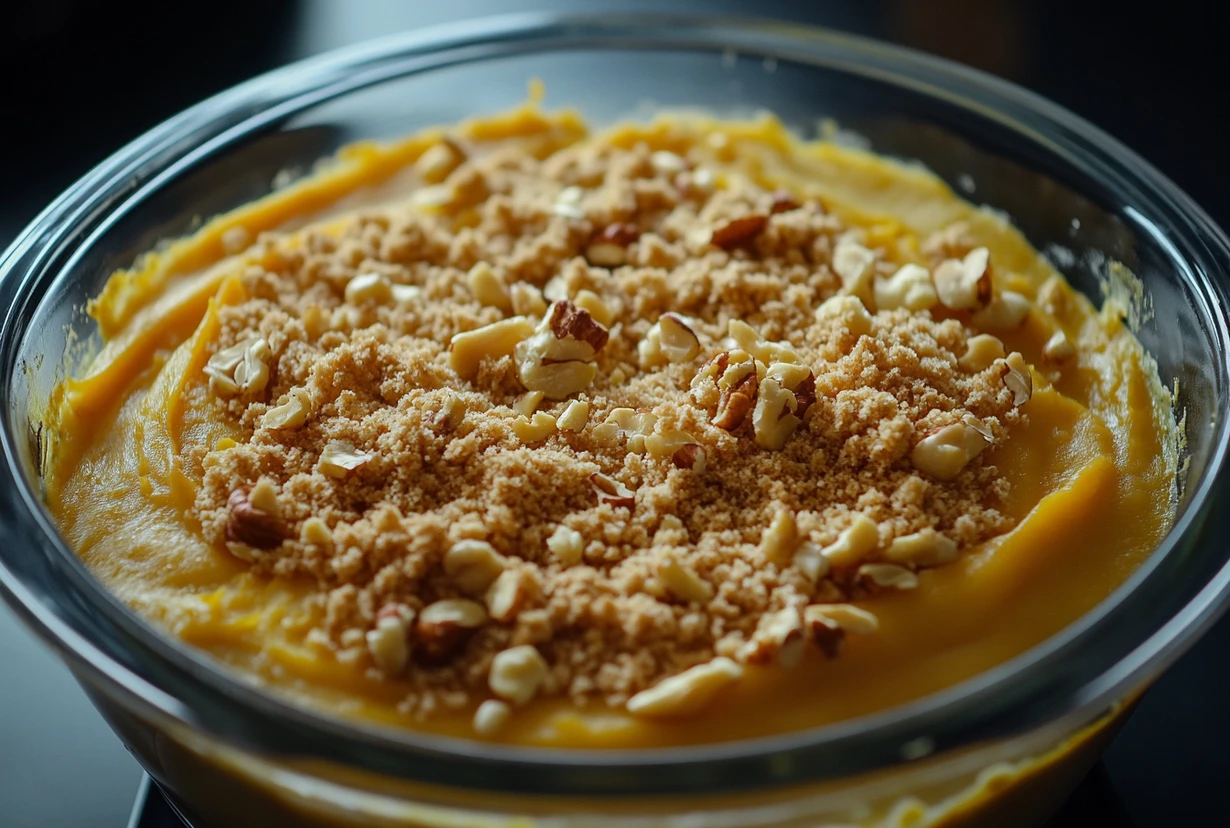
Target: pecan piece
<point>738,232</point>
<point>567,320</point>
<point>251,526</point>
<point>736,402</point>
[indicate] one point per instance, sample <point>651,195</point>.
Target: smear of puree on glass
<point>670,433</point>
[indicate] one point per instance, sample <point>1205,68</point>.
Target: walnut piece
<point>574,416</point>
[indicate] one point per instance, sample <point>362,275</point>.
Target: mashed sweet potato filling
<point>679,432</point>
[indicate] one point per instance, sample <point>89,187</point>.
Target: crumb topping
<point>604,424</point>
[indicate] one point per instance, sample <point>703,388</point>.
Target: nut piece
<point>339,457</point>
<point>910,288</point>
<point>606,254</point>
<point>290,414</point>
<point>738,232</point>
<point>509,594</point>
<point>1057,349</point>
<point>491,716</point>
<point>683,581</point>
<point>964,284</point>
<point>534,429</point>
<point>1017,377</point>
<point>517,673</point>
<point>567,321</point>
<point>575,415</point>
<point>778,636</point>
<point>671,339</point>
<point>249,525</point>
<point>567,545</point>
<point>679,343</point>
<point>610,490</point>
<point>468,349</point>
<point>527,403</point>
<point>369,289</point>
<point>488,288</point>
<point>389,641</point>
<point>943,453</point>
<point>886,576</point>
<point>856,542</point>
<point>557,358</point>
<point>1053,296</point>
<point>780,538</point>
<point>444,625</point>
<point>774,420</point>
<point>850,309</point>
<point>241,368</point>
<point>1008,310</point>
<point>750,340</point>
<point>829,623</point>
<point>854,264</point>
<point>981,351</point>
<point>925,548</point>
<point>688,692</point>
<point>450,413</point>
<point>690,457</point>
<point>597,307</point>
<point>810,560</point>
<point>627,424</point>
<point>473,565</point>
<point>738,383</point>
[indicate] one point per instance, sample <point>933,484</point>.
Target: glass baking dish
<point>1001,749</point>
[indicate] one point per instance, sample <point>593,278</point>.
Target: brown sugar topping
<point>733,468</point>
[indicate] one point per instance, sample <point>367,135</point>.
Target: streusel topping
<point>605,424</point>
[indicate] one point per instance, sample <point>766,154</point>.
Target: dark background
<point>79,78</point>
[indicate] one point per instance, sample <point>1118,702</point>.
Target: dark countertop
<point>80,77</point>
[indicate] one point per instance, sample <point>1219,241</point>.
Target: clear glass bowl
<point>1004,747</point>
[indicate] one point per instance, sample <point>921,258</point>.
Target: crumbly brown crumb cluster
<point>582,424</point>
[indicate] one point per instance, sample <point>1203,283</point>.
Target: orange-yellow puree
<point>1091,471</point>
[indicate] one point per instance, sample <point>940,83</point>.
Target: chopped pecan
<point>251,526</point>
<point>738,232</point>
<point>567,320</point>
<point>610,490</point>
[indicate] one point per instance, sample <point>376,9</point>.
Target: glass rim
<point>181,686</point>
